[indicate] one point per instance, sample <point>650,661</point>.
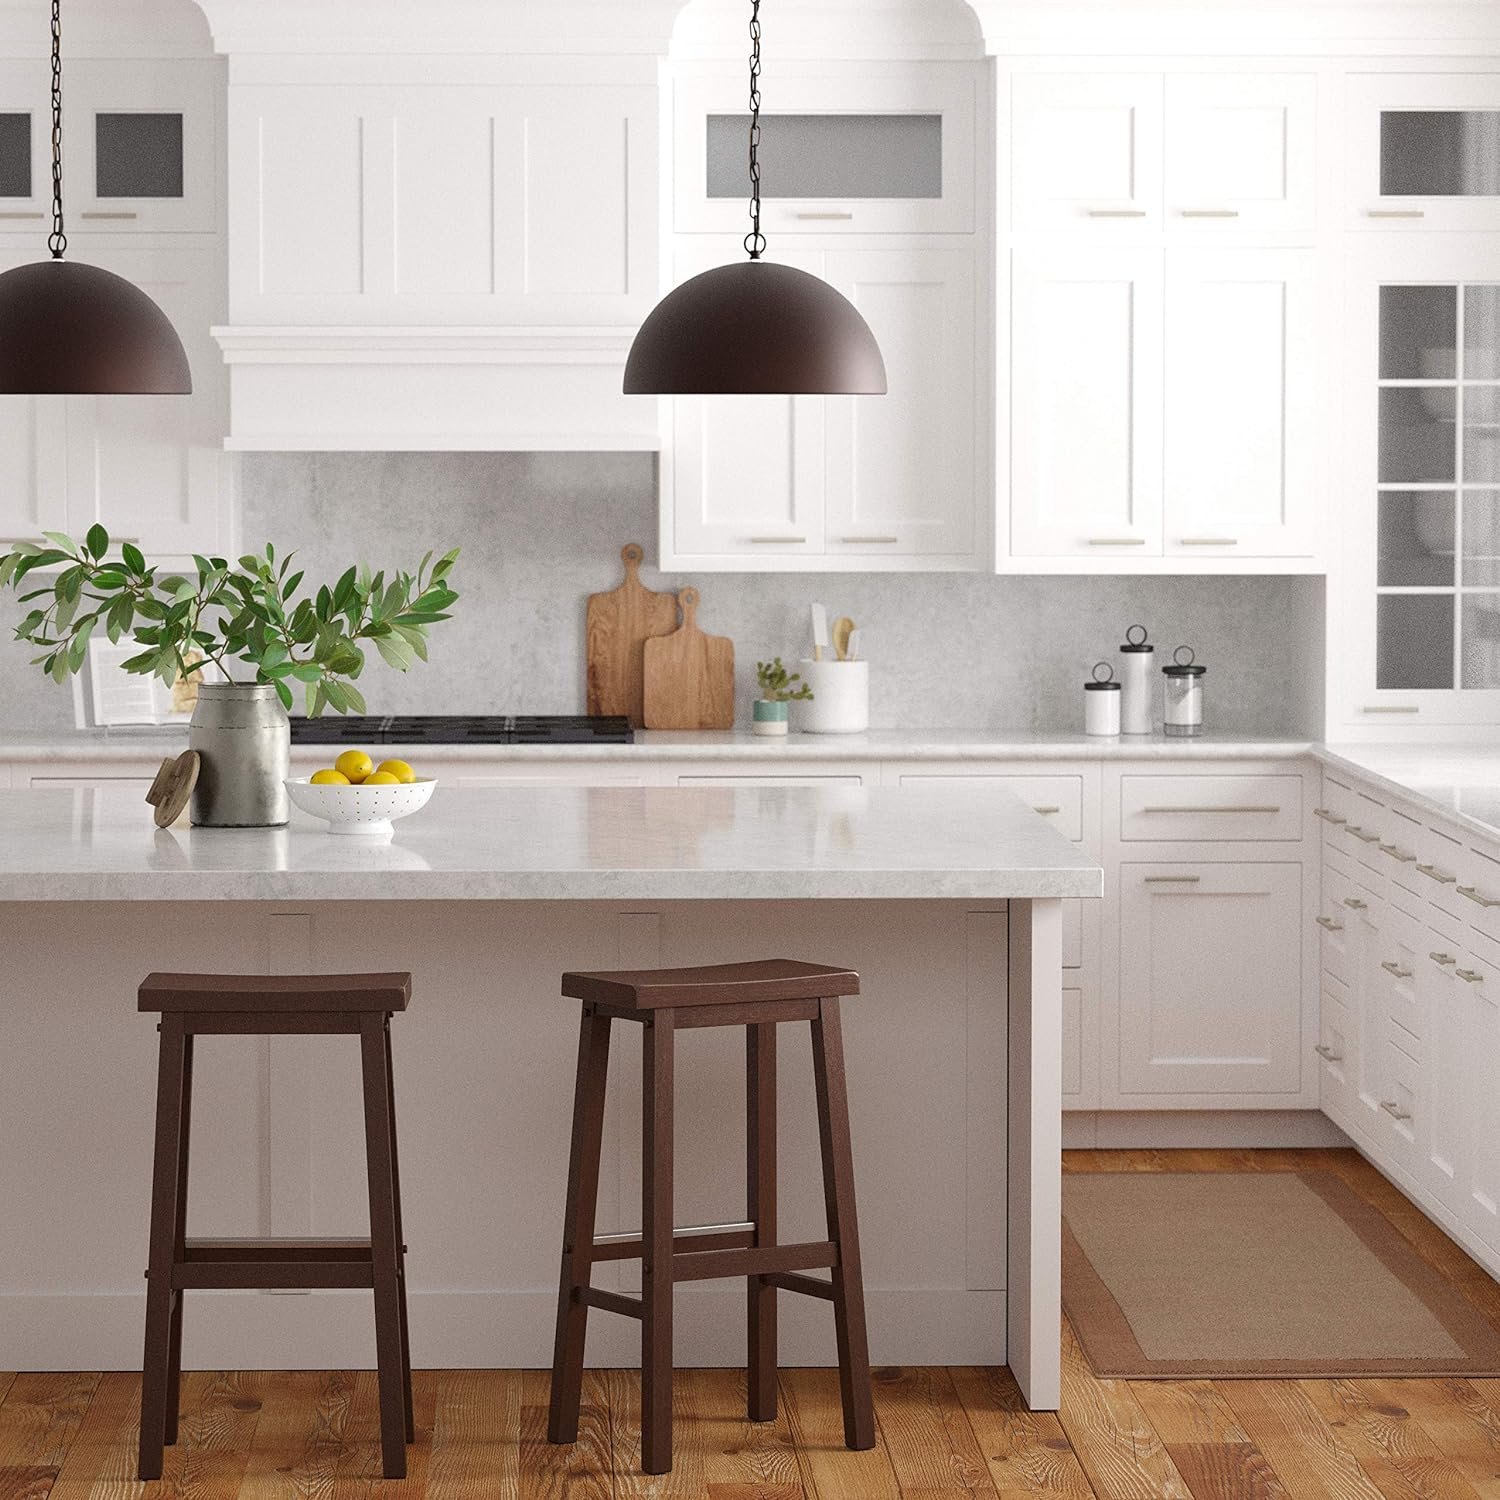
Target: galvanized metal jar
<point>244,738</point>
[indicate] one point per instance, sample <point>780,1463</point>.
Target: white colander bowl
<point>360,811</point>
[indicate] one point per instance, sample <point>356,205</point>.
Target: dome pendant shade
<point>753,328</point>
<point>68,329</point>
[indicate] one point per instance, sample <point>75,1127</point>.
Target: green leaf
<point>354,698</point>
<point>343,590</point>
<point>394,652</point>
<point>306,672</point>
<point>97,541</point>
<point>132,558</point>
<point>415,637</point>
<point>285,694</point>
<point>62,540</point>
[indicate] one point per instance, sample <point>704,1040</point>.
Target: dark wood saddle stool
<point>758,996</point>
<point>255,1005</point>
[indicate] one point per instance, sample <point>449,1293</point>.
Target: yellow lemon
<point>329,778</point>
<point>381,778</point>
<point>355,765</point>
<point>397,768</point>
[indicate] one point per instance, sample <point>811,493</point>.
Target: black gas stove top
<point>462,729</point>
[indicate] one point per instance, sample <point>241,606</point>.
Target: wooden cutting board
<point>619,625</point>
<point>690,676</point>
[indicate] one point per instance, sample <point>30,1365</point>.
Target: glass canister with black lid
<point>1182,694</point>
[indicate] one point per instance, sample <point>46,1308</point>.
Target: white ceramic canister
<point>840,703</point>
<point>1182,694</point>
<point>1101,701</point>
<point>1137,681</point>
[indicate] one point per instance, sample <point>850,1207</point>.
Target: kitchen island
<point>947,900</point>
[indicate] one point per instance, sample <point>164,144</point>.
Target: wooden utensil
<point>174,784</point>
<point>843,628</point>
<point>618,627</point>
<point>690,676</point>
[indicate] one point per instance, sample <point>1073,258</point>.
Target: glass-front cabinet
<point>1424,150</point>
<point>1424,408</point>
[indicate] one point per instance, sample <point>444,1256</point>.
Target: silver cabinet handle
<point>99,214</point>
<point>1433,873</point>
<point>1394,969</point>
<point>1046,811</point>
<point>1355,904</point>
<point>1210,213</point>
<point>1469,976</point>
<point>1328,1054</point>
<point>1173,879</point>
<point>831,214</point>
<point>1329,817</point>
<point>1390,708</point>
<point>1442,958</point>
<point>1117,213</point>
<point>1116,541</point>
<point>1199,808</point>
<point>1209,541</point>
<point>887,541</point>
<point>776,541</point>
<point>1397,853</point>
<point>1394,1110</point>
<point>1329,925</point>
<point>1469,893</point>
<point>21,213</point>
<point>1362,835</point>
<point>1396,213</point>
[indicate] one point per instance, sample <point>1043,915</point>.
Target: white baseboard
<point>1169,1129</point>
<point>482,1330</point>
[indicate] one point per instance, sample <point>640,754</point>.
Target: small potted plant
<point>778,687</point>
<point>246,631</point>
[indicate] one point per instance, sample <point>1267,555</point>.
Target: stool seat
<point>170,993</point>
<point>711,984</point>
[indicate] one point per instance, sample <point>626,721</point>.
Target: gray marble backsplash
<point>540,532</point>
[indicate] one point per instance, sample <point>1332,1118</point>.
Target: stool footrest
<point>704,1265</point>
<point>708,1237</point>
<point>808,1286</point>
<point>627,1307</point>
<point>274,1265</point>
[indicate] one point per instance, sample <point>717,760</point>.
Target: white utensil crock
<point>840,703</point>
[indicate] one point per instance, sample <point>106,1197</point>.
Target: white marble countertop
<point>1460,782</point>
<point>558,844</point>
<point>102,746</point>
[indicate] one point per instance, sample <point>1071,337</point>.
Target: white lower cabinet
<point>1209,1003</point>
<point>1478,1018</point>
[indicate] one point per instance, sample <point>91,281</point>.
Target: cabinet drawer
<point>1477,893</point>
<point>1400,1100</point>
<point>1337,1041</point>
<point>1072,1061</point>
<point>1059,799</point>
<point>770,781</point>
<point>1169,809</point>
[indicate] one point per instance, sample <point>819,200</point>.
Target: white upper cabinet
<point>1241,411</point>
<point>1424,151</point>
<point>1086,151</point>
<point>420,204</point>
<point>879,152</point>
<point>1086,362</point>
<point>1240,154</point>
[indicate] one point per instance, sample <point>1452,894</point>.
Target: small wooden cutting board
<point>690,676</point>
<point>619,625</point>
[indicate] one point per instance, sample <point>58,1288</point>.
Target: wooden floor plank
<point>931,1443</point>
<point>39,1421</point>
<point>830,1471</point>
<point>579,1471</point>
<point>300,1439</point>
<point>1122,1456</point>
<point>1462,1426</point>
<point>359,1474</point>
<point>6,1378</point>
<point>1204,1439</point>
<point>1028,1452</point>
<point>476,1435</point>
<point>1392,1448</point>
<point>1306,1454</point>
<point>742,1460</point>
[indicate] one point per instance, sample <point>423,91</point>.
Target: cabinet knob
<point>1397,853</point>
<point>1442,958</point>
<point>1470,893</point>
<point>1329,817</point>
<point>1328,1054</point>
<point>1329,925</point>
<point>1394,1110</point>
<point>1395,969</point>
<point>1355,904</point>
<point>1363,835</point>
<point>1469,976</point>
<point>1433,873</point>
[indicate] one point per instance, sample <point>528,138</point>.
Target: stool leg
<point>390,1105</point>
<point>578,1227</point>
<point>760,1209</point>
<point>384,1246</point>
<point>179,1241</point>
<point>166,1189</point>
<point>843,1228</point>
<point>656,1243</point>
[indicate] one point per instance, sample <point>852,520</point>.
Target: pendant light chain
<point>57,241</point>
<point>755,241</point>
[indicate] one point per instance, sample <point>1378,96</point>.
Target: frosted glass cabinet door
<point>747,472</point>
<point>1242,403</point>
<point>1087,152</point>
<point>1086,443</point>
<point>25,150</point>
<point>902,467</point>
<point>1424,151</point>
<point>1241,156</point>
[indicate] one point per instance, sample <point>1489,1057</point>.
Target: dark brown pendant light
<point>68,329</point>
<point>755,328</point>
